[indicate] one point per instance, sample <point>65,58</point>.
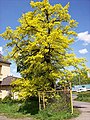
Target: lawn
<point>18,109</point>
<point>11,110</point>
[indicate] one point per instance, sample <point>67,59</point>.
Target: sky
<point>11,11</point>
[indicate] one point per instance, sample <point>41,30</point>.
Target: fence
<point>58,99</point>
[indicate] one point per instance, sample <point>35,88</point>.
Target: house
<point>5,78</point>
<point>4,68</point>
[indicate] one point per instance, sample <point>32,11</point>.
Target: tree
<point>81,77</point>
<point>41,47</point>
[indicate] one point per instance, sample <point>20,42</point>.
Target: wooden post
<point>71,100</point>
<point>43,100</point>
<point>39,101</point>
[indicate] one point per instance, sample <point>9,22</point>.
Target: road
<point>84,107</point>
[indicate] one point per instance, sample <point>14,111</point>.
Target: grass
<point>62,115</point>
<point>11,110</point>
<point>83,96</point>
<point>17,109</point>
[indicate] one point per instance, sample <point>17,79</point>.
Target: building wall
<point>6,90</point>
<point>4,93</point>
<point>15,95</point>
<point>5,71</point>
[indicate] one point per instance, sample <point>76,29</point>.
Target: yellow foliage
<point>40,46</point>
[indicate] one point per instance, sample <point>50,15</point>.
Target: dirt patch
<point>5,118</point>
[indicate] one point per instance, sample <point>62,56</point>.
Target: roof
<point>7,81</point>
<point>2,60</point>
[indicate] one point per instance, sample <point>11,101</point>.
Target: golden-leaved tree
<point>40,46</point>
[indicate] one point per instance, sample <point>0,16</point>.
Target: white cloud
<point>83,51</point>
<point>85,44</point>
<point>1,50</point>
<point>84,36</point>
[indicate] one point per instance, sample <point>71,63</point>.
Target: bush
<point>84,96</point>
<point>7,99</point>
<point>0,99</point>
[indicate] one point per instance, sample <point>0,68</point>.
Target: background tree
<point>81,78</point>
<point>41,48</point>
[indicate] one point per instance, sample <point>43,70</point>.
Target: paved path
<point>84,107</point>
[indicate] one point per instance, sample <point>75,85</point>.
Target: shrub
<point>84,96</point>
<point>7,99</point>
<point>0,99</point>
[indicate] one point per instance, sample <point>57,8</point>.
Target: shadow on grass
<point>29,106</point>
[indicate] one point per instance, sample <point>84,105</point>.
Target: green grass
<point>19,109</point>
<point>84,96</point>
<point>58,110</point>
<point>11,110</point>
<point>62,115</point>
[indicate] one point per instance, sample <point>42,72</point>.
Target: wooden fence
<point>64,97</point>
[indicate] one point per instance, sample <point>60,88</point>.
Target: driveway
<point>84,107</point>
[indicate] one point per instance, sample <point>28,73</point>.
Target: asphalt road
<point>84,107</point>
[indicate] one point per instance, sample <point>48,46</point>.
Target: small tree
<point>41,47</point>
<point>81,77</point>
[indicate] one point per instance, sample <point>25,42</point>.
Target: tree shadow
<point>30,105</point>
<point>79,107</point>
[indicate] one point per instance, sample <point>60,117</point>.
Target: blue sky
<point>11,10</point>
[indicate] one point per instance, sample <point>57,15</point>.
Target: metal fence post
<point>71,98</point>
<point>39,101</point>
<point>43,100</point>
